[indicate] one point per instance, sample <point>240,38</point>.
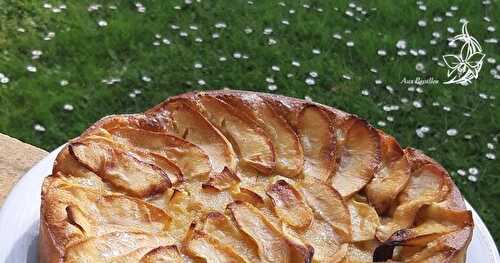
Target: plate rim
<point>480,227</point>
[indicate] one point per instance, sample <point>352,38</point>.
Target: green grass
<point>84,54</point>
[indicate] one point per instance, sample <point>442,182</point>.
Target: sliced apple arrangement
<point>230,176</point>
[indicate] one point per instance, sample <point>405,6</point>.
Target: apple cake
<point>235,176</point>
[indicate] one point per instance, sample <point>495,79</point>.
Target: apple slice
<point>115,247</point>
<point>247,195</point>
<point>446,248</point>
<point>434,221</point>
<point>191,159</point>
<point>222,181</point>
<point>211,250</point>
<point>421,235</point>
<point>331,225</point>
<point>164,254</point>
<point>173,172</point>
<point>425,186</point>
<point>289,205</point>
<point>442,214</point>
<point>65,164</point>
<point>91,213</point>
<point>130,212</point>
<point>391,177</point>
<point>271,243</point>
<point>298,252</point>
<point>364,220</point>
<point>317,136</point>
<point>453,199</point>
<point>428,182</point>
<point>359,158</point>
<point>120,168</point>
<point>186,122</point>
<point>286,144</point>
<point>328,205</point>
<point>251,143</point>
<point>322,238</point>
<point>220,227</point>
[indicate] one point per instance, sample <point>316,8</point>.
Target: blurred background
<point>64,65</point>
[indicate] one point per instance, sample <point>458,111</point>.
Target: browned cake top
<point>231,176</point>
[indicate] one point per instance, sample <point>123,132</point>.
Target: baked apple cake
<point>234,176</point>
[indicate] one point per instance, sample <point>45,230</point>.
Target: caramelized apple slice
<point>428,232</point>
<point>189,124</point>
<point>289,205</point>
<point>211,250</point>
<point>420,235</point>
<point>364,220</point>
<point>122,169</point>
<point>444,248</point>
<point>322,237</point>
<point>191,159</point>
<point>249,140</point>
<point>165,254</point>
<point>300,251</point>
<point>65,164</point>
<point>134,213</point>
<point>115,247</point>
<point>91,213</point>
<point>220,227</point>
<point>444,215</point>
<point>435,221</point>
<point>317,136</point>
<point>359,158</point>
<point>286,144</point>
<point>327,204</point>
<point>453,199</point>
<point>391,177</point>
<point>223,180</point>
<point>271,243</point>
<point>425,186</point>
<point>247,195</point>
<point>173,172</point>
<point>427,182</point>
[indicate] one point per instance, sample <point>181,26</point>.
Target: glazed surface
<point>233,176</point>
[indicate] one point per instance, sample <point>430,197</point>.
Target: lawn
<point>64,67</point>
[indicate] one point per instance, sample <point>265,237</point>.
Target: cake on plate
<point>235,176</point>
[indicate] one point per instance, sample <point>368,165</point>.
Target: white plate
<point>19,219</point>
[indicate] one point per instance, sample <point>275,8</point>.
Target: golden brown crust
<point>49,250</point>
<point>293,193</point>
